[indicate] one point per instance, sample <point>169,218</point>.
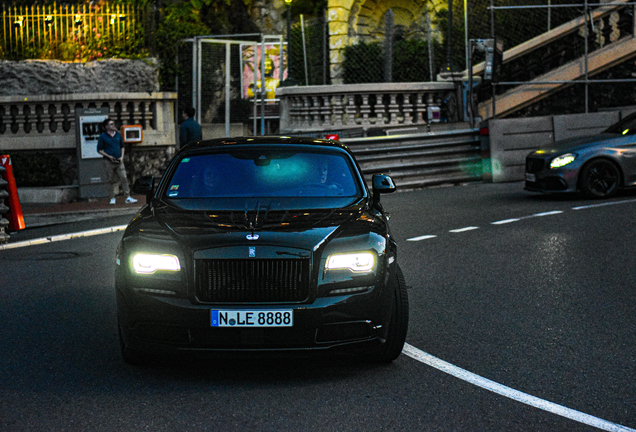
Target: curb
<point>44,219</point>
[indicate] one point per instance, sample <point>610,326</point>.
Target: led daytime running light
<point>562,160</point>
<point>356,262</point>
<point>144,263</point>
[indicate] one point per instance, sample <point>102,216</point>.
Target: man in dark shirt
<point>111,145</point>
<point>190,130</point>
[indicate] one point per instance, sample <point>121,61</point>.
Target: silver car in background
<point>597,166</point>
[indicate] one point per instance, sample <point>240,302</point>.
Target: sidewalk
<point>49,214</point>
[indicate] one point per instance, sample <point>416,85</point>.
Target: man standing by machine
<point>111,146</point>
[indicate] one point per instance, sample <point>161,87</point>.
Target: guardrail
<point>422,160</point>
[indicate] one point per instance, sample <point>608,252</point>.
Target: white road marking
<point>550,213</point>
<point>505,221</point>
<point>460,230</point>
<point>63,237</point>
<point>424,237</point>
<point>511,393</point>
<point>603,204</point>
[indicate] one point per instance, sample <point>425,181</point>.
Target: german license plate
<point>531,177</point>
<point>252,318</point>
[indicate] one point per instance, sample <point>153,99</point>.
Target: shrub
<point>36,169</point>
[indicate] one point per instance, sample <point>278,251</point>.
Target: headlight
<point>562,160</point>
<point>145,263</point>
<point>358,262</point>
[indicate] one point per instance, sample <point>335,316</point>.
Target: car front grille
<point>534,165</point>
<point>246,281</point>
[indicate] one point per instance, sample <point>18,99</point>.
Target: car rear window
<point>264,172</point>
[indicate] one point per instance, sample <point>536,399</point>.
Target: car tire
<point>131,356</point>
<point>399,323</point>
<point>600,178</point>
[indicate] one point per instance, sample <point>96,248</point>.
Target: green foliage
<point>184,19</point>
<point>181,19</point>
<point>308,8</point>
<point>36,169</point>
<point>363,63</point>
<point>411,60</point>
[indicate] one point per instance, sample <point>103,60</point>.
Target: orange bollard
<point>16,219</point>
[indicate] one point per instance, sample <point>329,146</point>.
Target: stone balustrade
<point>47,122</point>
<point>359,106</point>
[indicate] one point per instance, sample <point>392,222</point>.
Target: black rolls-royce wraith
<point>261,244</point>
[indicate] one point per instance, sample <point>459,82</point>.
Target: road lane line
<point>424,237</point>
<point>61,237</point>
<point>511,393</point>
<point>550,213</point>
<point>460,230</point>
<point>505,221</point>
<point>603,204</point>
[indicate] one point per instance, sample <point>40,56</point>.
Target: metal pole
<point>199,54</point>
<point>176,109</point>
<point>586,58</point>
<point>388,46</point>
<point>255,64</point>
<point>263,92</point>
<point>325,32</point>
<point>449,31</point>
<point>466,43</point>
<point>470,88</point>
<point>302,27</point>
<point>430,45</point>
<point>194,72</point>
<point>289,43</point>
<point>228,61</point>
<point>492,30</point>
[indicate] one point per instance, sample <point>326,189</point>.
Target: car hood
<point>296,229</point>
<point>576,144</point>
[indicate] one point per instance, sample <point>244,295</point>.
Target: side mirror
<point>145,186</point>
<point>382,184</point>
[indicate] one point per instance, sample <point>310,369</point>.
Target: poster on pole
<point>273,63</point>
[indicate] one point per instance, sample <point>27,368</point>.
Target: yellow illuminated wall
<point>352,21</point>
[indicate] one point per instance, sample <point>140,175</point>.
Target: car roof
<point>263,140</point>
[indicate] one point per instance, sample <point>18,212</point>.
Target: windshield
<point>627,126</point>
<point>280,172</point>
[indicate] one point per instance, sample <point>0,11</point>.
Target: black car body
<point>279,253</point>
<point>598,166</point>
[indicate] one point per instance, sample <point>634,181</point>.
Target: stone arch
<point>369,22</point>
<point>352,21</point>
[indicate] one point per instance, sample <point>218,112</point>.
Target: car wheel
<point>131,356</point>
<point>600,179</point>
<point>398,325</point>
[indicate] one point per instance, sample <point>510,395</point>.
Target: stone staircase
<point>612,41</point>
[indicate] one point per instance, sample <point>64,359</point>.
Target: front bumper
<point>349,322</point>
<point>550,180</point>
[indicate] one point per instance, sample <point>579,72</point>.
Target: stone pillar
<point>338,23</point>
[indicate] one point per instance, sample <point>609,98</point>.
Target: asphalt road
<point>522,318</point>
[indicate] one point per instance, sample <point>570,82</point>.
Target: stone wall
<point>38,93</point>
<point>52,77</point>
<point>270,16</point>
